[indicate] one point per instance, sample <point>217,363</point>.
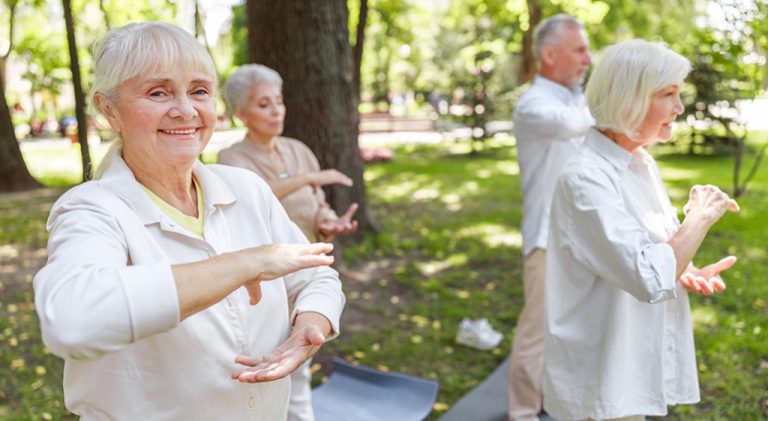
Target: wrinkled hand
<point>273,261</point>
<point>303,343</point>
<point>707,280</point>
<point>343,225</point>
<point>325,177</point>
<point>709,202</point>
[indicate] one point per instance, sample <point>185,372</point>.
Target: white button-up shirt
<point>549,125</point>
<point>619,340</point>
<point>108,305</point>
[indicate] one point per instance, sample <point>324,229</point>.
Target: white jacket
<point>107,300</point>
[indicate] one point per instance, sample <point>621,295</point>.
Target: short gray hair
<point>548,31</point>
<point>240,83</point>
<point>622,84</point>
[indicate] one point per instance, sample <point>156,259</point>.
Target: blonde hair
<point>143,47</point>
<point>621,86</point>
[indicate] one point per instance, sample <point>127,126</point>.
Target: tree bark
<point>357,49</point>
<point>307,42</point>
<point>14,175</point>
<point>74,65</point>
<point>528,66</point>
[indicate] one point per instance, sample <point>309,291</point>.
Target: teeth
<point>187,131</point>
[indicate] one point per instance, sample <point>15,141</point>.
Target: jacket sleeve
<point>316,289</point>
<point>609,241</point>
<point>90,299</point>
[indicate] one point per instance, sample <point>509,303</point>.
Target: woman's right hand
<point>273,261</point>
<point>709,203</point>
<point>325,177</point>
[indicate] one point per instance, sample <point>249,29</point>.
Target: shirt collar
<point>557,89</point>
<point>608,149</point>
<point>119,179</point>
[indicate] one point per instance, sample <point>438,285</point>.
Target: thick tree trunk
<point>74,65</point>
<point>307,42</point>
<point>14,175</point>
<point>528,66</point>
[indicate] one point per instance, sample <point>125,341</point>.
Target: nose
<point>678,105</point>
<point>587,58</point>
<point>183,108</point>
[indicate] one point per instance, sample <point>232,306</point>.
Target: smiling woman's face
<point>165,117</point>
<point>665,106</point>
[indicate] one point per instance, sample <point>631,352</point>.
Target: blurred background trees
<point>457,62</point>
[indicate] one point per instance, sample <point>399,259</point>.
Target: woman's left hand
<point>303,343</point>
<point>707,280</point>
<point>344,225</point>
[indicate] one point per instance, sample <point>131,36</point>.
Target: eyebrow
<point>159,81</point>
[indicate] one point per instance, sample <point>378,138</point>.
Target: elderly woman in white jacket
<point>168,282</point>
<point>619,342</point>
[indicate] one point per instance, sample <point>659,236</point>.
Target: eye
<point>201,91</point>
<point>157,93</point>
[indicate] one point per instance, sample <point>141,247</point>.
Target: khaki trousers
<point>524,392</point>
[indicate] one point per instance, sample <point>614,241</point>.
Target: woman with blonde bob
<point>168,282</point>
<point>619,342</point>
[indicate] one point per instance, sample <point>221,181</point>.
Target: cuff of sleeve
<point>325,306</point>
<point>153,303</point>
<point>665,268</point>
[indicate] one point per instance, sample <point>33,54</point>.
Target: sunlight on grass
<point>703,317</point>
<point>674,174</point>
<point>493,234</point>
<point>508,167</point>
<point>432,267</point>
<point>60,161</point>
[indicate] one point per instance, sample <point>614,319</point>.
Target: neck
<point>171,183</point>
<point>621,139</point>
<point>261,141</point>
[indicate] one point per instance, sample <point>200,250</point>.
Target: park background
<point>434,82</point>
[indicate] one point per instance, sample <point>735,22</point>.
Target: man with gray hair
<point>550,121</point>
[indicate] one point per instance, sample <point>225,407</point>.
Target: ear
<point>107,108</point>
<point>548,54</point>
<point>239,114</point>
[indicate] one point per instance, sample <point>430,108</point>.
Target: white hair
<point>241,82</point>
<point>549,30</point>
<point>144,47</point>
<point>622,84</point>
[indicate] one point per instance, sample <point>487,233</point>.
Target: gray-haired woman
<point>619,342</point>
<point>143,291</point>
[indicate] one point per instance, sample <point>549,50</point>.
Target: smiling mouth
<point>180,132</point>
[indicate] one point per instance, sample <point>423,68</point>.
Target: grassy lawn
<point>450,248</point>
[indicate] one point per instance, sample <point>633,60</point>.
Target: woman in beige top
<point>288,165</point>
<point>290,168</point>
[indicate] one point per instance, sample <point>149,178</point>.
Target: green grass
<point>450,247</point>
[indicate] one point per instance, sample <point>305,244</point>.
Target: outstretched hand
<point>303,343</point>
<point>344,225</point>
<point>273,261</point>
<point>707,280</point>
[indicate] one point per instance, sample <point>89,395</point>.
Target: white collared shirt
<point>619,340</point>
<point>549,125</point>
<point>108,305</point>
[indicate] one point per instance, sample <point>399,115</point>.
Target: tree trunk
<point>357,50</point>
<point>14,175</point>
<point>307,42</point>
<point>74,65</point>
<point>528,66</point>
